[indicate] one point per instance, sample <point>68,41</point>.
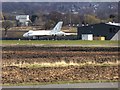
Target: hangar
<point>109,30</point>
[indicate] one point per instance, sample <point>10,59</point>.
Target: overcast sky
<point>60,0</point>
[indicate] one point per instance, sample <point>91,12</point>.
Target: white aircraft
<point>56,31</point>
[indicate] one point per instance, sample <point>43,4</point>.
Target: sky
<point>59,0</point>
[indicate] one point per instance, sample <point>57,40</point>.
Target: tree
<point>33,18</point>
<point>49,24</point>
<point>8,16</point>
<point>91,19</point>
<point>111,16</point>
<point>7,25</point>
<point>55,16</point>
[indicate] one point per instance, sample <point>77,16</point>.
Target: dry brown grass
<point>61,64</point>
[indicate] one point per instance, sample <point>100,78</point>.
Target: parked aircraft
<point>56,31</point>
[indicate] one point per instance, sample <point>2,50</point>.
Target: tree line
<point>47,21</point>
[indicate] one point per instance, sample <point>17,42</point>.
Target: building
<point>22,20</point>
<point>109,30</point>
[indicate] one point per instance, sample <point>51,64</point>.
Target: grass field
<point>34,65</point>
<point>62,64</point>
<point>59,42</point>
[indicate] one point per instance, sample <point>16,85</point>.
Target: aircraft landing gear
<point>55,37</point>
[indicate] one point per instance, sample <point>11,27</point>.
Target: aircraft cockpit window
<point>29,32</point>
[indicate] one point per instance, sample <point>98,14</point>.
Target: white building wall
<point>87,36</point>
<point>23,19</point>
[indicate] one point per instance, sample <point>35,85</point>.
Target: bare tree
<point>7,25</point>
<point>91,19</point>
<point>49,24</point>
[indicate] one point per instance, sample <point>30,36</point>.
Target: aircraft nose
<point>24,35</point>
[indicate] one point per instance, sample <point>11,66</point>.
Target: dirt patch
<point>22,54</point>
<point>15,75</point>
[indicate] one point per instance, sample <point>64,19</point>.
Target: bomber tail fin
<point>58,27</point>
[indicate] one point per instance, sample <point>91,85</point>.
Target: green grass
<point>58,42</point>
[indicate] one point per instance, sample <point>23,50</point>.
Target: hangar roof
<point>109,23</point>
<point>116,24</point>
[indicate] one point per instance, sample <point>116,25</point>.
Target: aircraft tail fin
<point>58,27</point>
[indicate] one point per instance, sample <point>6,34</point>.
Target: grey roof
<point>116,24</point>
<point>110,23</point>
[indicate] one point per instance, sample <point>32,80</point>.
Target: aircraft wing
<point>70,33</point>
